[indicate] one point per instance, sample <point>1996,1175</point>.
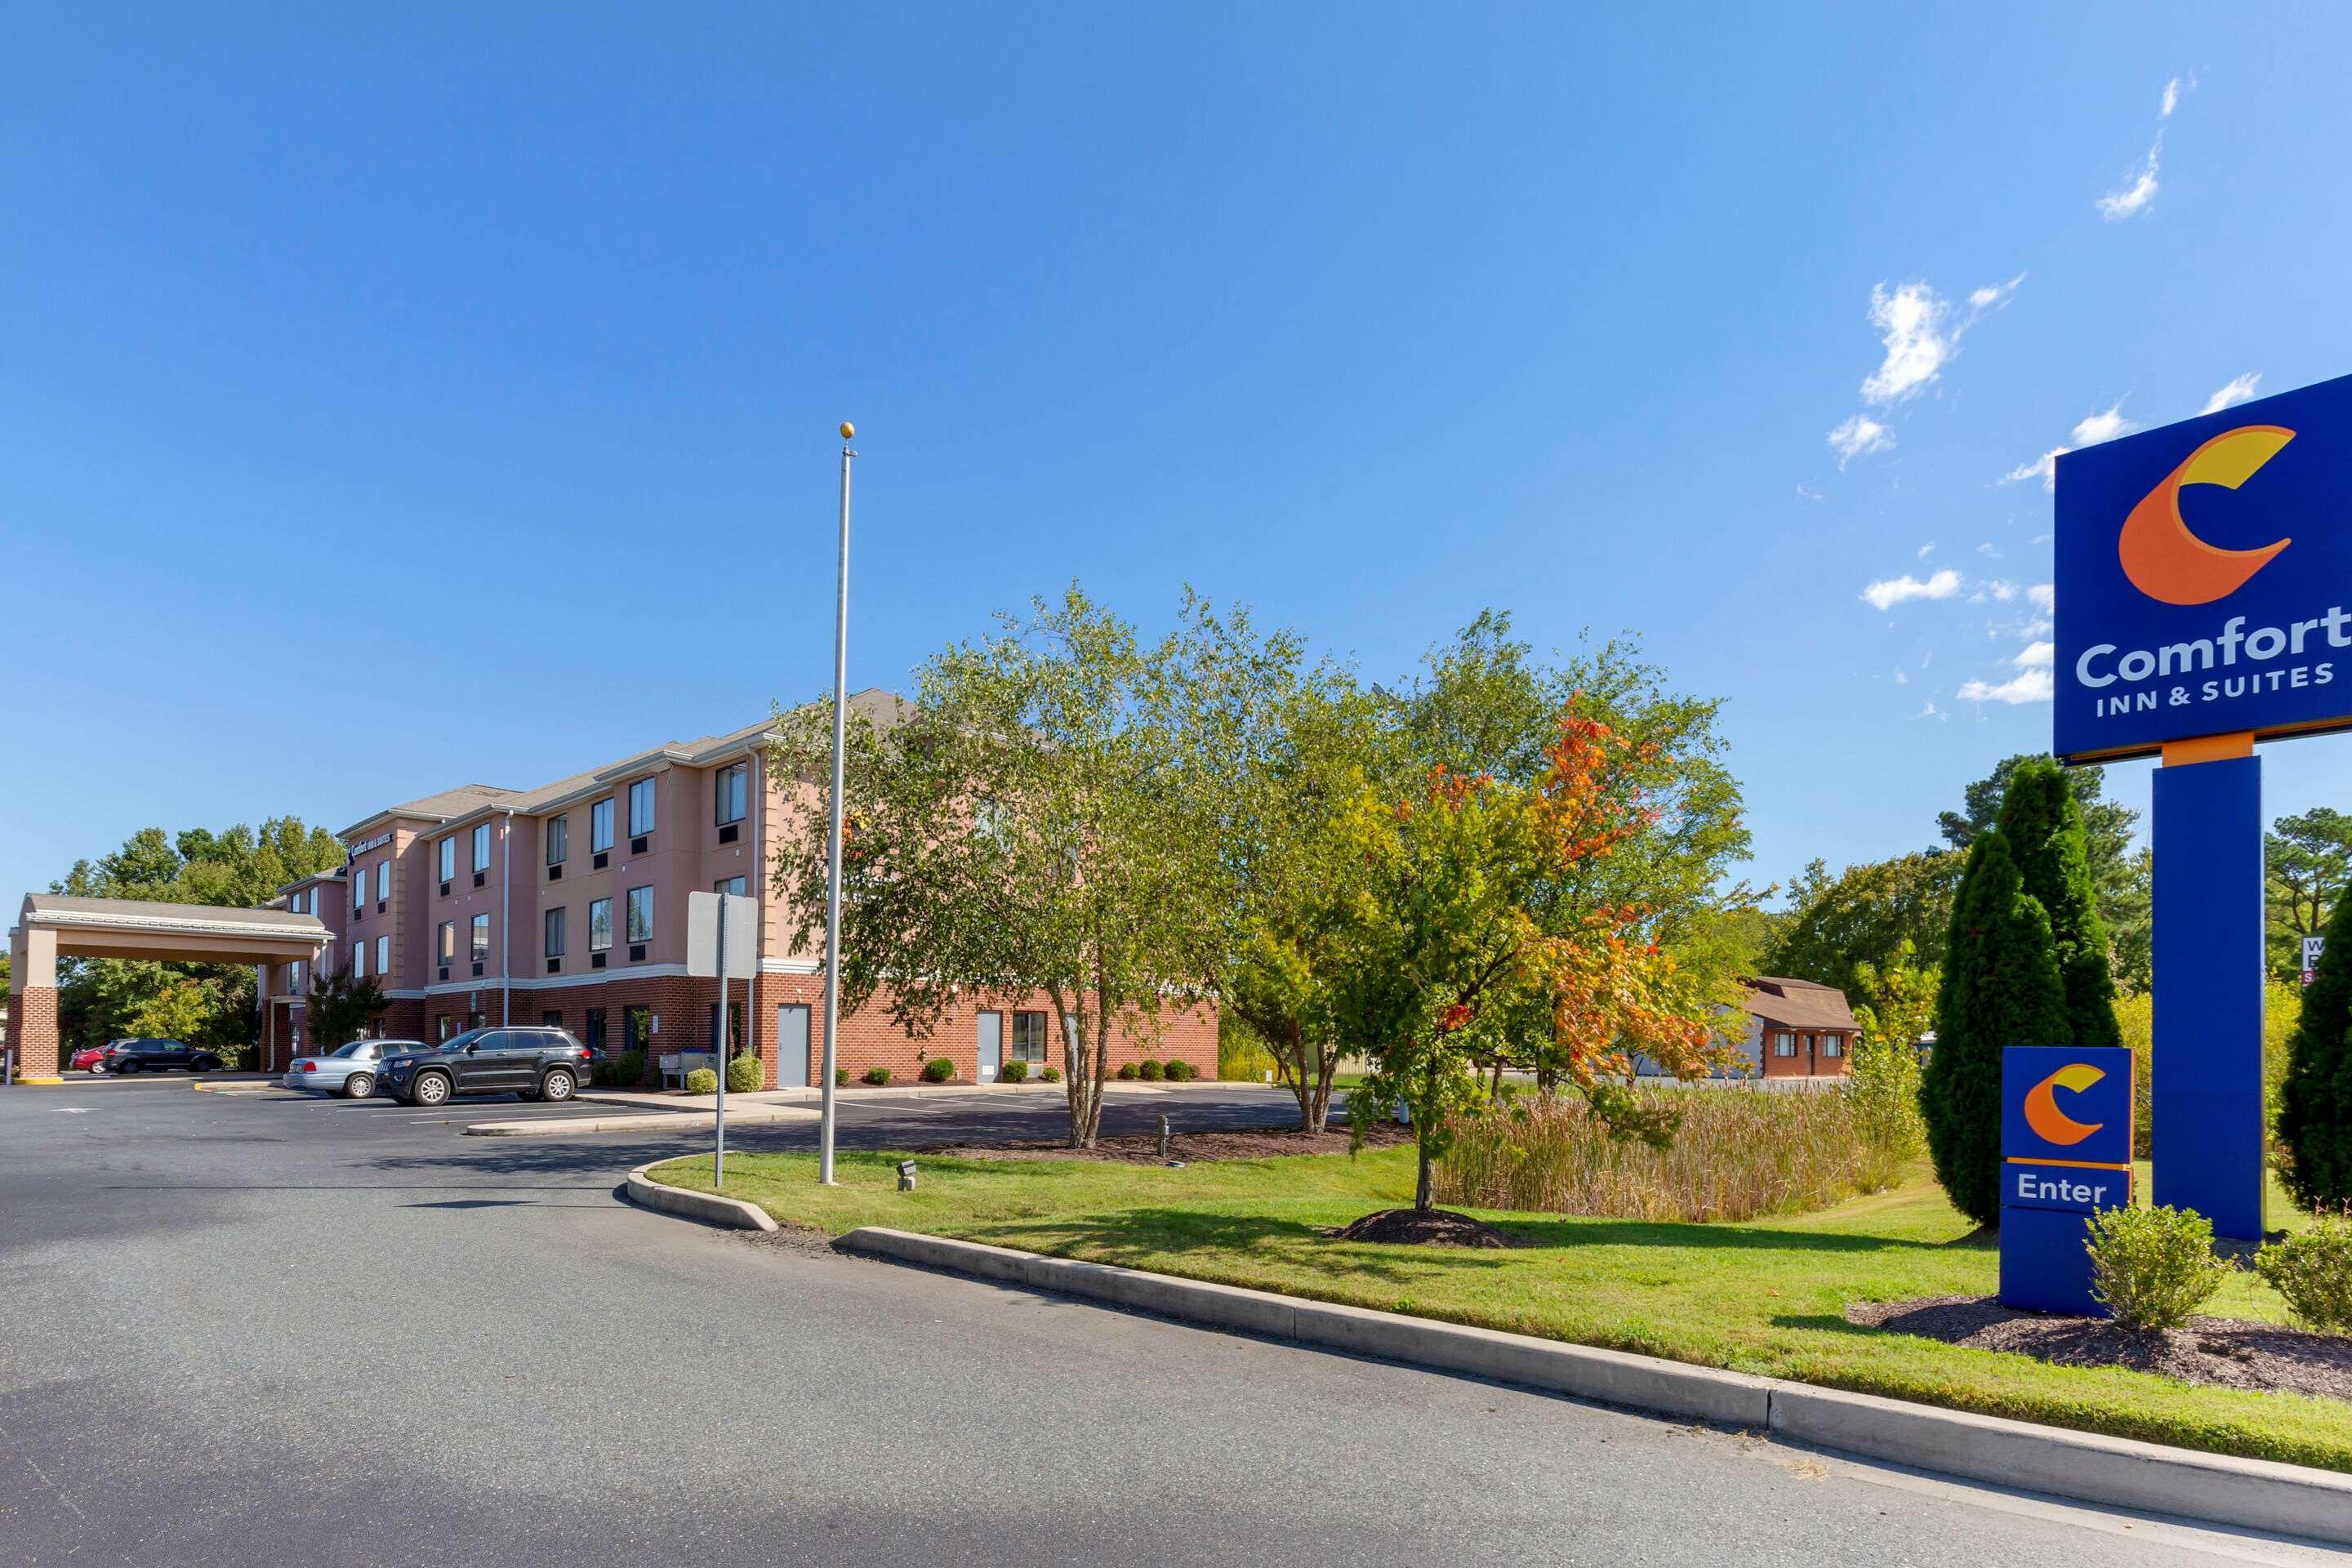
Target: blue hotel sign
<point>2066,1149</point>
<point>2204,578</point>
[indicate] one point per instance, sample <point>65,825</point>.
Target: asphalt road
<point>247,1330</point>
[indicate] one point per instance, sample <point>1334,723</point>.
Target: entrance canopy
<point>52,926</point>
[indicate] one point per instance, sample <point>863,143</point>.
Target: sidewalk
<point>658,1100</point>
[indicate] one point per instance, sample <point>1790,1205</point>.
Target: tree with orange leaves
<point>1458,952</point>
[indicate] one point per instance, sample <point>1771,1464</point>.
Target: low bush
<point>702,1080</point>
<point>1148,1071</point>
<point>840,1076</point>
<point>1051,1075</point>
<point>2153,1268</point>
<point>1126,1072</point>
<point>2312,1270</point>
<point>745,1074</point>
<point>1181,1072</point>
<point>1013,1072</point>
<point>938,1070</point>
<point>877,1077</point>
<point>621,1069</point>
<point>1737,1153</point>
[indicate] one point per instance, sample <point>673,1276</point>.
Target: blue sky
<point>392,404</point>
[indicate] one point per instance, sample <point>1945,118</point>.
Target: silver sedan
<point>347,1071</point>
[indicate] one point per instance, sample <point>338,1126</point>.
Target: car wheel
<point>557,1085</point>
<point>358,1086</point>
<point>431,1089</point>
<point>128,1067</point>
<point>207,1063</point>
<point>526,1094</point>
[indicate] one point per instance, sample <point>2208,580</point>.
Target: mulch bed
<point>2222,1353</point>
<point>1425,1227</point>
<point>1190,1147</point>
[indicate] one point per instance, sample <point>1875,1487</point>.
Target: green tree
<point>1893,1008</point>
<point>2000,987</point>
<point>342,1009</point>
<point>2314,1118</point>
<point>1013,833</point>
<point>1869,918</point>
<point>181,1010</point>
<point>2121,876</point>
<point>2307,861</point>
<point>2042,823</point>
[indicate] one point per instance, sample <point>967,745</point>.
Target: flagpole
<point>833,830</point>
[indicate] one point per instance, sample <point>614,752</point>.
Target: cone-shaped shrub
<point>2315,1123</point>
<point>2043,824</point>
<point>2000,988</point>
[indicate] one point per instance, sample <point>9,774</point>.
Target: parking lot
<point>258,1327</point>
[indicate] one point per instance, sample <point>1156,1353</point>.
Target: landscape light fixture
<point>905,1175</point>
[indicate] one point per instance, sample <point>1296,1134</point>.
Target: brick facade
<point>33,1030</point>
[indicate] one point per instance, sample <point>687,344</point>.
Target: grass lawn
<point>1764,1296</point>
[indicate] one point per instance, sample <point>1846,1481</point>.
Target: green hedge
<point>938,1070</point>
<point>745,1074</point>
<point>702,1080</point>
<point>621,1069</point>
<point>1013,1072</point>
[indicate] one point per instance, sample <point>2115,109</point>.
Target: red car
<point>87,1059</point>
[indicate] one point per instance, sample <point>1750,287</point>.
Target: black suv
<point>537,1064</point>
<point>156,1056</point>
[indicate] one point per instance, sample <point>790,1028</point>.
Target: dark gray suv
<point>534,1063</point>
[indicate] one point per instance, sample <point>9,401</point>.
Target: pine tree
<point>2315,1121</point>
<point>2042,821</point>
<point>2000,988</point>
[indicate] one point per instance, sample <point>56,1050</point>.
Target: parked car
<point>156,1056</point>
<point>87,1059</point>
<point>534,1063</point>
<point>350,1070</point>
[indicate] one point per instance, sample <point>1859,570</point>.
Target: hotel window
<point>637,1027</point>
<point>600,924</point>
<point>382,881</point>
<point>641,914</point>
<point>555,933</point>
<point>383,955</point>
<point>358,890</point>
<point>1784,1044</point>
<point>1028,1037</point>
<point>481,937</point>
<point>732,785</point>
<point>558,836</point>
<point>294,905</point>
<point>734,885</point>
<point>641,808</point>
<point>448,859</point>
<point>599,827</point>
<point>359,961</point>
<point>294,975</point>
<point>481,847</point>
<point>448,940</point>
<point>595,1035</point>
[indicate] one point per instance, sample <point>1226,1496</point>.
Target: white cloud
<point>1858,434</point>
<point>1929,711</point>
<point>1889,592</point>
<point>1988,550</point>
<point>1927,550</point>
<point>1807,492</point>
<point>1901,678</point>
<point>2036,655</point>
<point>2088,431</point>
<point>2045,597</point>
<point>2033,686</point>
<point>1993,296</point>
<point>2133,199</point>
<point>1911,326</point>
<point>2171,98</point>
<point>2237,391</point>
<point>1999,589</point>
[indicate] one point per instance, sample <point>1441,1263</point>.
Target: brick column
<point>32,1002</point>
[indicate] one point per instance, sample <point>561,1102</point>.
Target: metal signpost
<point>2204,603</point>
<point>833,826</point>
<point>720,928</point>
<point>2066,1149</point>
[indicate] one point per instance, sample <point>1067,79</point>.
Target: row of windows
<point>360,960</point>
<point>1785,1045</point>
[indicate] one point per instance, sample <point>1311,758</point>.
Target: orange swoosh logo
<point>2051,1124</point>
<point>2167,561</point>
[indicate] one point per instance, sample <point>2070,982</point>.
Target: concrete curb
<point>2256,1494</point>
<point>683,1121</point>
<point>729,1214</point>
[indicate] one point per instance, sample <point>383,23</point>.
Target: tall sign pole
<point>833,826</point>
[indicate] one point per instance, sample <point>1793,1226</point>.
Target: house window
<point>1784,1044</point>
<point>383,955</point>
<point>734,885</point>
<point>481,847</point>
<point>1028,1037</point>
<point>637,1027</point>
<point>559,839</point>
<point>641,807</point>
<point>641,914</point>
<point>600,924</point>
<point>382,881</point>
<point>1832,1045</point>
<point>481,937</point>
<point>599,827</point>
<point>596,1036</point>
<point>555,933</point>
<point>448,941</point>
<point>448,859</point>
<point>731,786</point>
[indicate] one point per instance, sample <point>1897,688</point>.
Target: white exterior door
<point>992,1046</point>
<point>791,1046</point>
